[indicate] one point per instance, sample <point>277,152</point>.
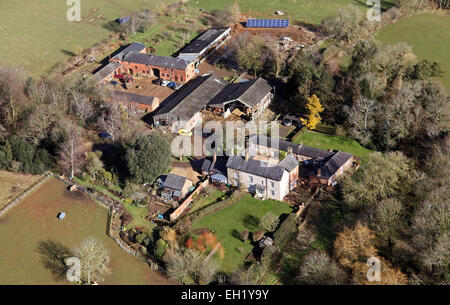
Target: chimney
<point>319,172</point>
<point>289,150</point>
<point>214,159</point>
<point>301,143</point>
<point>247,156</point>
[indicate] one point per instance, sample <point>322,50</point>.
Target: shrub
<point>257,235</point>
<point>160,248</point>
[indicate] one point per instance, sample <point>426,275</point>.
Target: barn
<point>203,46</point>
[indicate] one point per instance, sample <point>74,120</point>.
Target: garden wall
<point>27,191</point>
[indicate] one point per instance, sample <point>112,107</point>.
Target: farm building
<point>250,97</point>
<point>106,73</point>
<point>135,61</point>
<point>183,109</point>
<point>267,23</point>
<point>203,46</point>
<point>316,165</point>
<point>143,102</point>
<point>175,187</point>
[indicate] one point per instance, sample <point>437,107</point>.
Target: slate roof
<point>250,93</point>
<point>255,167</point>
<point>134,47</point>
<point>155,60</point>
<point>298,149</point>
<point>192,97</point>
<point>204,40</point>
<point>175,182</point>
<point>131,97</point>
<point>329,162</point>
<point>288,163</point>
<point>107,70</point>
<point>333,164</point>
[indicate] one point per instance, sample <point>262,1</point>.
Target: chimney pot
<point>247,156</point>
<point>319,172</point>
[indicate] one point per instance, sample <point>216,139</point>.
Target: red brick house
<point>134,60</point>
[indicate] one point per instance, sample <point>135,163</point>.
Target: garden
<point>42,239</point>
<point>231,223</point>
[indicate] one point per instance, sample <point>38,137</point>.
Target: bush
<point>257,235</point>
<point>160,248</point>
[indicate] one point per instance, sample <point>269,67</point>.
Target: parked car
<point>164,83</point>
<point>197,71</point>
<point>177,86</point>
<point>114,83</point>
<point>157,81</point>
<point>184,132</point>
<point>171,84</point>
<point>119,76</point>
<point>105,135</point>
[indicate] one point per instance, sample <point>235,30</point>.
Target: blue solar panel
<point>267,23</point>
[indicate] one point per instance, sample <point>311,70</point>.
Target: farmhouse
<point>259,178</point>
<point>135,61</point>
<point>143,102</point>
<point>183,109</point>
<point>203,46</point>
<point>175,187</point>
<point>316,165</point>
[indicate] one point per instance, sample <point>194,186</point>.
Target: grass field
<point>309,11</point>
<point>229,222</point>
<point>11,184</point>
<point>325,142</point>
<point>34,221</point>
<point>207,200</point>
<point>428,34</point>
<point>37,35</point>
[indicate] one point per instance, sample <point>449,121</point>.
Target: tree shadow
<point>235,233</point>
<point>251,222</point>
<point>53,256</point>
<point>68,53</point>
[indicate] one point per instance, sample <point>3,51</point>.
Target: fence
<point>110,229</point>
<point>20,197</point>
<point>175,214</point>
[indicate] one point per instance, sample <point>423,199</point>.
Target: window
<point>250,179</point>
<point>272,184</point>
<point>272,193</point>
<point>262,182</point>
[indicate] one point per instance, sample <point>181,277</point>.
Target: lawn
<point>309,11</point>
<point>428,34</point>
<point>229,222</point>
<point>325,142</point>
<point>12,184</point>
<point>37,35</point>
<point>34,221</point>
<point>204,201</point>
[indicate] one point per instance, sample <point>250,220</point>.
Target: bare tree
<point>94,259</point>
<point>81,106</point>
<point>318,268</point>
<point>12,97</point>
<point>111,122</point>
<point>362,119</point>
<point>71,156</point>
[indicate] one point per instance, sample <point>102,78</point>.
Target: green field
<point>428,34</point>
<point>37,35</point>
<point>325,142</point>
<point>231,221</point>
<point>34,221</point>
<point>309,11</point>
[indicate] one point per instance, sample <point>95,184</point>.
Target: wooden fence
<point>175,214</point>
